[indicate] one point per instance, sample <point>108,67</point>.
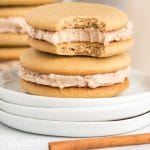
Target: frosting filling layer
<point>64,81</point>
<point>82,35</point>
<point>13,25</point>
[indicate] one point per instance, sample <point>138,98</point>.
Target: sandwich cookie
<point>13,28</point>
<point>60,76</point>
<point>13,35</point>
<point>79,29</point>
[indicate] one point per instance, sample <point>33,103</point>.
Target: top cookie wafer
<point>59,16</point>
<point>24,2</point>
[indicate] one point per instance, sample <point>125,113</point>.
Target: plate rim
<point>75,112</point>
<point>77,122</point>
<point>87,129</point>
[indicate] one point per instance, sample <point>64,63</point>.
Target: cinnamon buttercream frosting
<point>13,25</point>
<point>64,81</point>
<point>82,35</point>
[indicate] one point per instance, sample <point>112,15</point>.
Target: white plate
<point>74,129</point>
<point>105,113</point>
<point>9,91</point>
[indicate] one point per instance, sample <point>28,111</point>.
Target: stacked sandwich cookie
<point>13,29</point>
<point>79,52</point>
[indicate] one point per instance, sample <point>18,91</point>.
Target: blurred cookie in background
<point>25,2</point>
<point>14,29</point>
<point>13,35</point>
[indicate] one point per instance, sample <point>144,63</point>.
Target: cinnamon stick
<point>93,143</point>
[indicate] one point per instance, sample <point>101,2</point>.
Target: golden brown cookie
<point>77,15</point>
<point>82,48</point>
<point>24,2</point>
<point>13,39</point>
<point>10,53</point>
<point>100,92</point>
<point>46,63</point>
<point>14,11</point>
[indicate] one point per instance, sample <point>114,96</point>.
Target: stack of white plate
<point>75,117</point>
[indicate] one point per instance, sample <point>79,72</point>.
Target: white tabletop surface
<point>11,139</point>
